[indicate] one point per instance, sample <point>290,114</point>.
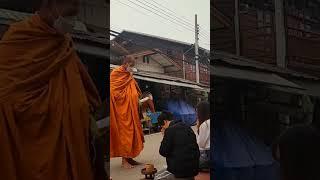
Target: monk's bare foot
<point>133,162</point>
<point>126,164</point>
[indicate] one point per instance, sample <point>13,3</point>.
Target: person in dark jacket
<point>297,150</point>
<point>179,147</point>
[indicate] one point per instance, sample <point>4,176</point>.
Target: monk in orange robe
<point>126,136</point>
<point>45,100</point>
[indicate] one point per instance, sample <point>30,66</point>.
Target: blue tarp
<point>238,155</point>
<point>182,111</point>
<point>154,117</point>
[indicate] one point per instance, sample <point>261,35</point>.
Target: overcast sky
<point>137,18</point>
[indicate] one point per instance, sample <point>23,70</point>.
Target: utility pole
<point>196,48</point>
<point>237,26</point>
<point>280,33</point>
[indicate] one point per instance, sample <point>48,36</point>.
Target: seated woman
<point>203,135</point>
<point>179,147</point>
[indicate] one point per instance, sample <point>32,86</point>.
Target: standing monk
<point>45,99</point>
<point>126,136</point>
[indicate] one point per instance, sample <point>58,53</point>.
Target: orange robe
<point>45,94</point>
<point>126,136</point>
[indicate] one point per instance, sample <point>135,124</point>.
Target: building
<point>179,55</point>
<point>158,72</point>
<point>256,36</point>
<point>263,98</point>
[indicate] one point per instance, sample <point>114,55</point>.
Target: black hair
<point>203,111</point>
<point>164,116</point>
<point>299,148</point>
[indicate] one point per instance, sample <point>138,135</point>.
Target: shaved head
<point>50,10</point>
<point>129,61</point>
<point>60,7</point>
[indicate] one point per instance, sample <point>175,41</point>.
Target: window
<point>146,59</point>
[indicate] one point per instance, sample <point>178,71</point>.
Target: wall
<point>95,12</point>
<point>257,36</point>
<point>204,74</point>
<point>152,66</point>
<point>303,46</point>
<point>224,39</point>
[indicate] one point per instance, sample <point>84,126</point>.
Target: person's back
<point>181,150</point>
<point>298,151</point>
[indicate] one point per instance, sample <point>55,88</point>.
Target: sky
<point>173,19</point>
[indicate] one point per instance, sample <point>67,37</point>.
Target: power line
<point>205,32</point>
<point>187,23</point>
<point>173,13</point>
<point>181,20</point>
<point>140,11</point>
<point>142,6</point>
<point>191,29</point>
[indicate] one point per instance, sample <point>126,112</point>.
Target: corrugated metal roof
<point>135,42</point>
<point>254,76</point>
<point>164,79</point>
<point>91,37</point>
<point>244,62</point>
<point>92,50</point>
<point>13,15</point>
<point>169,82</point>
<point>311,88</point>
<point>165,39</point>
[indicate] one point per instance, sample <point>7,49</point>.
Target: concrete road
<point>150,154</point>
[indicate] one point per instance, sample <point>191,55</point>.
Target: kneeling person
<point>179,147</point>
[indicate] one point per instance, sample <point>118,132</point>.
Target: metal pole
<point>197,50</point>
<point>280,33</point>
<point>237,27</point>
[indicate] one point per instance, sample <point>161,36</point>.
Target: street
<point>150,154</point>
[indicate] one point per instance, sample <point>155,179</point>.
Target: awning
<point>164,79</point>
<point>92,50</point>
<point>254,76</point>
<point>173,83</point>
<point>310,88</point>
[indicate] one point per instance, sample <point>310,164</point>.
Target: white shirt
<point>203,138</point>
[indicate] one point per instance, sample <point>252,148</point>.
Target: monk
<point>45,99</point>
<point>126,136</point>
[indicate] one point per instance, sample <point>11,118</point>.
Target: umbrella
<point>239,155</point>
<point>182,111</point>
